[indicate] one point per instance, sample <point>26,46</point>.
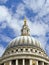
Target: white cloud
<point>44,11</point>
<point>37,28</point>
<point>5,38</point>
<point>47,2</point>
<point>2,49</point>
<point>12,21</point>
<point>14,24</point>
<point>40,6</point>
<point>3,25</point>
<point>20,11</point>
<point>4,13</point>
<point>3,1</point>
<point>43,41</point>
<point>47,49</point>
<point>35,5</point>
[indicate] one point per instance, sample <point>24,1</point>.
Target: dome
<point>25,39</point>
<point>24,50</point>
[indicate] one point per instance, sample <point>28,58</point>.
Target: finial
<point>25,31</point>
<point>25,21</point>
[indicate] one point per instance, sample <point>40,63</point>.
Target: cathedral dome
<point>24,50</point>
<point>25,39</point>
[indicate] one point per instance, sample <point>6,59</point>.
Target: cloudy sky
<point>12,13</point>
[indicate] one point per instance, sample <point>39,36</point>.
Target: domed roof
<point>25,39</point>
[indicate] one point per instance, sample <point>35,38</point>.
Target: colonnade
<point>30,62</point>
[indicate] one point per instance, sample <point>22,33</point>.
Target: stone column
<point>30,62</point>
<point>36,62</point>
<point>23,61</point>
<point>10,62</point>
<point>17,62</point>
<point>4,63</point>
<point>42,63</point>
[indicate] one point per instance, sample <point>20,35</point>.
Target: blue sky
<point>12,13</point>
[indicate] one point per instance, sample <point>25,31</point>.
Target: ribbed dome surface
<point>24,40</point>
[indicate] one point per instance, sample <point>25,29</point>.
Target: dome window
<point>16,49</point>
<point>39,52</point>
<point>21,49</point>
<point>12,51</point>
<point>26,49</point>
<point>35,50</point>
<point>31,49</point>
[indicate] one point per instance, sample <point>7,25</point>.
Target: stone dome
<point>25,39</point>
